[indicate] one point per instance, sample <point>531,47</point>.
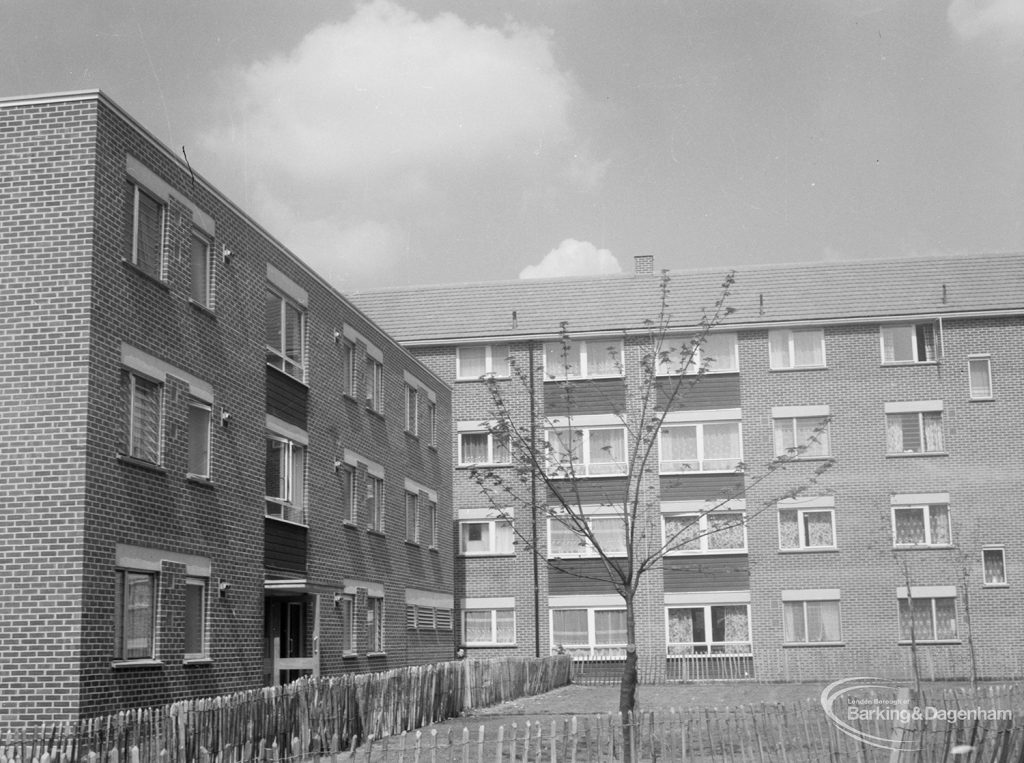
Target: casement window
<point>914,427</point>
<point>375,624</point>
<point>201,270</point>
<point>715,532</point>
<point>486,537</point>
<point>579,359</point>
<point>430,530</point>
<point>196,647</point>
<point>482,360</point>
<point>994,564</point>
<point>589,628</point>
<point>979,371</point>
<point>347,606</point>
<point>700,447</point>
<point>199,414</point>
<point>709,629</point>
<point>807,619</point>
<point>926,525</point>
<point>717,354</point>
<point>412,410</point>
<point>431,423</point>
<point>375,502</point>
<point>489,627</point>
<point>349,493</point>
<point>286,332</point>
<point>796,348</point>
<point>801,431</point>
<point>286,479</point>
<point>412,517</point>
<point>143,406</point>
<point>567,539</point>
<point>374,384</point>
<point>135,604</point>
<point>586,451</point>
<point>909,343</point>
<point>483,448</point>
<point>147,224</point>
<point>350,381</point>
<point>806,529</point>
<point>927,618</point>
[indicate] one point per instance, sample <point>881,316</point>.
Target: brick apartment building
<point>217,473</point>
<point>903,375</point>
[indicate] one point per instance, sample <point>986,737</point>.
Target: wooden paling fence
<point>310,717</point>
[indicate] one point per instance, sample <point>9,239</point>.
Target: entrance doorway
<point>290,631</point>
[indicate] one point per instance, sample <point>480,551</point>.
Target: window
<point>195,618</point>
<point>375,624</point>
<point>486,537</point>
<point>285,472</point>
<point>412,409</point>
<point>483,448</point>
<point>921,525</point>
<point>908,343</point>
<point>586,452</point>
<point>431,423</point>
<point>375,502</point>
<point>805,529</point>
<point>430,531</point>
<point>565,538</point>
<point>717,354</point>
<point>925,618</point>
<point>348,623</point>
<point>489,627</point>
<point>286,329</point>
<point>143,407</point>
<point>484,360</point>
<point>980,372</point>
<point>802,436</point>
<point>348,359</point>
<point>199,438</point>
<point>704,447</point>
<point>374,385</point>
<point>591,629</point>
<point>201,283</point>
<point>576,359</point>
<point>706,533</point>
<point>914,432</point>
<point>811,622</point>
<point>147,231</point>
<point>349,493</point>
<point>134,615</point>
<point>709,629</point>
<point>412,518</point>
<point>796,348</point>
<point>994,562</point>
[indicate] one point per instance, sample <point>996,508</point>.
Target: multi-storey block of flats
<point>218,473</point>
<point>901,376</point>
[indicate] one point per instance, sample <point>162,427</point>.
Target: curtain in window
<point>569,627</point>
<point>293,333</point>
<point>897,343</point>
<point>721,446</point>
<point>822,621</point>
<point>995,572</point>
<point>195,611</point>
<point>609,626</point>
<point>932,431</point>
<point>784,437</point>
<point>793,622</point>
<point>147,252</point>
<point>720,352</point>
<point>565,451</point>
<point>815,443</point>
<point>561,361</point>
<point>945,619</point>
<point>504,537</point>
<point>505,626</point>
<point>919,616</point>
<point>472,362</point>
<point>610,533</point>
<point>607,451</point>
<point>478,627</point>
<point>729,624</point>
<point>778,349</point>
<point>563,539</point>
<point>725,531</point>
<point>138,615</point>
<point>981,380</point>
<point>789,530</point>
<point>272,316</point>
<point>902,433</point>
<point>818,528</point>
<point>145,419</point>
<point>938,520</point>
<point>603,359</point>
<point>925,342</point>
<point>475,537</point>
<point>685,625</point>
<point>683,532</point>
<point>910,525</point>
<point>199,270</point>
<point>275,471</point>
<point>679,449</point>
<point>807,348</point>
<point>199,440</point>
<point>474,447</point>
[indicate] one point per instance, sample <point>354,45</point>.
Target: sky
<point>393,143</point>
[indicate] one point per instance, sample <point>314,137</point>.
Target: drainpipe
<point>533,504</point>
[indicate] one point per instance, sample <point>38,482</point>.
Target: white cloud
<point>998,19</point>
<point>573,258</point>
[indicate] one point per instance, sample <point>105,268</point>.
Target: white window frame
<point>350,493</point>
<point>592,648</point>
<point>802,600</point>
<point>801,512</point>
<point>493,611</point>
<point>988,394</point>
<point>350,370</point>
<point>375,611</point>
<point>672,359</point>
<point>347,605</point>
<point>412,410</point>
<point>581,462</point>
<point>1004,583</point>
<point>918,410</point>
<point>431,423</point>
<point>137,190</point>
<point>432,523</point>
<point>374,384</point>
<point>121,614</point>
<point>493,441</point>
<point>787,335</point>
<point>203,584</point>
<point>207,413</point>
<point>709,646</point>
<point>583,372</point>
<point>495,355</point>
<point>412,517</point>
<point>586,546</point>
<point>926,518</point>
<point>701,447</point>
<point>204,296</point>
<point>786,420</point>
<point>492,536</point>
<point>915,348</point>
<point>132,379</point>
<point>292,504</point>
<point>703,520</point>
<point>374,517</point>
<point>931,638</point>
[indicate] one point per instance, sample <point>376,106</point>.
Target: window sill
<point>570,557</point>
<point>483,645</point>
<point>202,309</point>
<point>349,655</point>
<point>693,472</point>
<point>620,476</point>
<point>198,479</point>
<point>155,280</point>
<point>995,585</point>
<point>412,435</point>
<point>942,642</point>
<point>795,459</point>
<point>923,547</point>
<point>351,525</point>
<point>486,556</point>
<point>197,661</point>
<point>709,552</point>
<point>378,533</point>
<point>293,377</point>
<point>813,644</point>
<point>348,396</point>
<point>286,521</point>
<point>481,378</point>
<point>376,654</point>
<point>908,363</point>
<point>981,400</point>
<point>799,368</point>
<point>917,455</point>
<point>413,543</point>
<point>375,412</point>
<point>129,664</point>
<point>434,550</point>
<point>482,465</point>
<point>149,466</point>
<point>829,550</point>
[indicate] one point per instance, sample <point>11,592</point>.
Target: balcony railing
<point>722,661</point>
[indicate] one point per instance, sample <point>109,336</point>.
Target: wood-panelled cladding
<point>584,397</point>
<point>701,487</point>
<point>711,391</point>
<point>727,572</point>
<point>287,398</point>
<point>284,547</point>
<point>585,577</point>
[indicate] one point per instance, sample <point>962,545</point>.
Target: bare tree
<point>555,451</point>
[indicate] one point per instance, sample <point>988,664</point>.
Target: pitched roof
<point>772,294</point>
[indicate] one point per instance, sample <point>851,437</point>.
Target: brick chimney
<point>643,265</point>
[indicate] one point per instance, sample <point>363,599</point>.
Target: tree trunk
<point>628,683</point>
